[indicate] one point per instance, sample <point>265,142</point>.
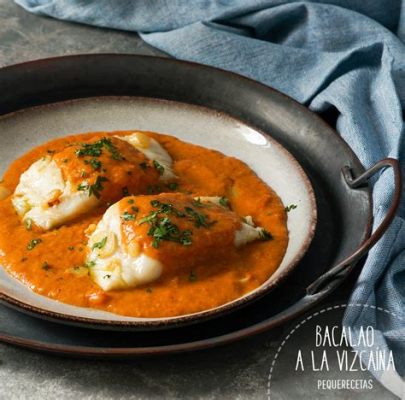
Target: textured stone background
<point>238,371</point>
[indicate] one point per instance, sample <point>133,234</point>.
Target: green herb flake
<point>290,207</point>
<point>159,167</point>
<point>130,201</point>
<point>96,149</point>
<point>97,187</point>
<point>149,218</point>
<point>45,266</point>
<point>89,264</point>
<point>224,202</point>
<point>192,277</point>
<point>128,216</point>
<point>186,239</point>
<point>173,186</point>
<point>100,244</point>
<point>197,202</point>
<point>162,228</point>
<point>95,164</point>
<point>115,154</point>
<point>125,191</point>
<point>143,165</point>
<point>28,224</point>
<point>265,235</point>
<point>83,186</point>
<point>71,248</point>
<point>198,218</point>
<point>34,242</point>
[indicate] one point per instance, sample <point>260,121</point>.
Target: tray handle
<point>376,235</point>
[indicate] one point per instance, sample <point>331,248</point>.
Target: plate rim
<point>186,319</point>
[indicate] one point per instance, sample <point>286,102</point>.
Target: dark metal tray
<point>343,203</point>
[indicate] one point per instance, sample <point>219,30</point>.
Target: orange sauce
<point>49,267</point>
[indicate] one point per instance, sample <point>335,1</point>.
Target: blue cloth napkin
<point>347,54</point>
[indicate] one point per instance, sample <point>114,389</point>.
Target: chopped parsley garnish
<point>83,186</point>
<point>94,189</point>
<point>96,149</point>
<point>155,203</point>
<point>149,218</point>
<point>173,186</point>
<point>167,208</point>
<point>131,201</point>
<point>159,167</point>
<point>265,235</point>
<point>100,244</point>
<point>197,202</point>
<point>71,248</point>
<point>108,276</point>
<point>125,191</point>
<point>186,239</point>
<point>162,228</point>
<point>290,207</point>
<point>224,202</point>
<point>33,243</point>
<point>115,154</point>
<point>143,165</point>
<point>198,218</point>
<point>128,216</point>
<point>89,264</point>
<point>97,187</point>
<point>28,224</point>
<point>192,277</point>
<point>96,164</point>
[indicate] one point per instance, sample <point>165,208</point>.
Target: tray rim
<point>215,340</point>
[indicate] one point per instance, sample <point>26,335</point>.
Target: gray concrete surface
<point>239,371</point>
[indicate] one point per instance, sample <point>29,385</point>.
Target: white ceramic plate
<point>25,129</point>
